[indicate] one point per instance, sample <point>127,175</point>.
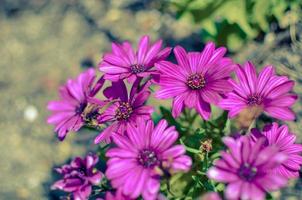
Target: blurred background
<point>43,42</point>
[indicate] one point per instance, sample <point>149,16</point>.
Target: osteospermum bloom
<point>247,168</point>
<point>79,176</point>
<point>142,156</point>
<point>123,62</point>
<point>125,109</point>
<point>280,137</point>
<point>67,113</point>
<point>266,92</point>
<point>198,80</point>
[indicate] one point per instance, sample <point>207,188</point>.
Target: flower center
<point>247,172</point>
<point>196,81</point>
<point>124,111</point>
<point>79,109</point>
<point>254,100</point>
<point>82,171</point>
<point>147,158</point>
<point>137,68</point>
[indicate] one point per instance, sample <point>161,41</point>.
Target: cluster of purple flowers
<point>144,153</point>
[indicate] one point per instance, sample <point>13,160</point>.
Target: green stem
<point>252,125</point>
<point>189,149</point>
<point>206,161</point>
<point>213,186</point>
<point>169,188</point>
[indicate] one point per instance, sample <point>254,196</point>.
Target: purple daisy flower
<point>123,62</point>
<point>247,168</point>
<point>198,80</point>
<point>266,92</point>
<point>142,156</point>
<point>124,110</point>
<point>67,113</point>
<point>79,176</point>
<point>285,141</point>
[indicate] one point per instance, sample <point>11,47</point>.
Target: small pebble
<point>30,113</point>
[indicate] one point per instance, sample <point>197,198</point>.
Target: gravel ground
<point>42,43</point>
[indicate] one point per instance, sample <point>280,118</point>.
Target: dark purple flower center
<point>147,158</point>
<point>247,172</point>
<point>81,170</point>
<point>254,100</point>
<point>137,68</point>
<point>196,81</point>
<point>124,111</point>
<point>79,109</point>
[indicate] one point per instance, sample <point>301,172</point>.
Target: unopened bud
<point>206,146</point>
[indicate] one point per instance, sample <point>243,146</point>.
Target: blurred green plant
<point>233,22</point>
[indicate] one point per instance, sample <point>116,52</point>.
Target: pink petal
<point>217,55</point>
<point>194,58</point>
<point>96,178</point>
<point>165,93</point>
<point>163,54</point>
<point>58,117</point>
<point>142,49</point>
<point>221,175</point>
<point>206,55</point>
<point>131,184</point>
<point>244,83</point>
<point>116,90</point>
<point>203,109</point>
<point>60,106</point>
<point>251,74</point>
<point>222,86</point>
<point>172,70</point>
<point>153,50</point>
<point>174,151</point>
<point>233,190</point>
<point>115,60</point>
<point>282,113</point>
<point>112,69</point>
<point>264,77</point>
<point>283,101</point>
<point>281,89</point>
<point>210,96</point>
<point>105,134</point>
<point>129,51</point>
<point>192,99</point>
<point>141,98</point>
<point>118,50</point>
<point>182,163</point>
<point>121,153</point>
<point>140,184</point>
<point>182,60</point>
<point>178,104</point>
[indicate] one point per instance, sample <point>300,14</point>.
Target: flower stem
<point>252,125</point>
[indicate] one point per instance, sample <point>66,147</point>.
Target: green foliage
<point>232,22</point>
<point>202,140</point>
